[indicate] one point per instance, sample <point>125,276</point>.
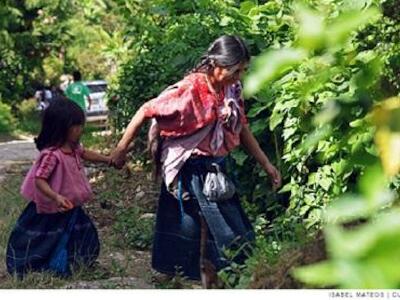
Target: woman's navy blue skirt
<point>176,246</point>
<point>35,238</point>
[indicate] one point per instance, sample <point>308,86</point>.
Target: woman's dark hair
<point>57,119</point>
<point>226,51</point>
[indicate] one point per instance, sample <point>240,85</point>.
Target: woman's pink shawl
<point>186,121</point>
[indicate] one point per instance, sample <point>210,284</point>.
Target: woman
<point>200,120</point>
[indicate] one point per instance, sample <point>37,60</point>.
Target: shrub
<point>7,120</point>
<point>28,116</point>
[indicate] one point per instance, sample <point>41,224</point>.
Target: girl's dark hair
<point>226,51</point>
<point>57,119</point>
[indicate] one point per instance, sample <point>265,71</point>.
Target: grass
<point>133,229</point>
<point>94,137</point>
<point>115,261</point>
<point>123,212</point>
<point>11,205</point>
<point>126,236</point>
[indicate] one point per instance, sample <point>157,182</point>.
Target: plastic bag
<point>217,186</point>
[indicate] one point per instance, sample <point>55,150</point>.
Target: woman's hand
<point>275,175</point>
<point>118,158</point>
<point>63,203</point>
<point>251,145</point>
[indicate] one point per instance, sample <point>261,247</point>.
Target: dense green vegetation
<point>41,40</point>
<point>309,94</point>
<point>316,97</point>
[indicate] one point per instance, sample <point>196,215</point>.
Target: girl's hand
<point>63,203</point>
<point>275,176</point>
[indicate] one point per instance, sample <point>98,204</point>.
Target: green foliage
<point>7,120</point>
<point>168,38</point>
<point>274,248</point>
<point>313,58</point>
<point>313,98</point>
<point>41,40</point>
<point>134,229</point>
<point>361,255</point>
<point>322,66</point>
<point>92,137</point>
<point>28,117</point>
<point>30,31</point>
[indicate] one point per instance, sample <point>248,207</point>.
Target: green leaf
<point>321,274</point>
<point>286,188</point>
<point>311,28</point>
<point>373,183</point>
<point>258,126</point>
<point>341,27</point>
<point>325,183</point>
<point>239,157</point>
<point>270,66</point>
<point>246,6</point>
<point>313,138</point>
<point>254,111</point>
<point>275,119</point>
<point>347,208</point>
<point>327,114</point>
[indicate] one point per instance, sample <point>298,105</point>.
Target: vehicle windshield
<point>97,88</point>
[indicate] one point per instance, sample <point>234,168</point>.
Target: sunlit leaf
<point>345,24</point>
<point>386,115</point>
<point>389,149</point>
<point>313,139</point>
<point>321,274</point>
<point>311,28</point>
<point>372,184</point>
<point>270,66</point>
<point>351,207</point>
<point>327,114</point>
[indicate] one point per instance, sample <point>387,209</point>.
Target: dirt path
<point>116,268</point>
<point>119,265</point>
<point>16,152</point>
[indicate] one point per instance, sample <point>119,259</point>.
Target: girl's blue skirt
<point>176,246</point>
<point>35,238</point>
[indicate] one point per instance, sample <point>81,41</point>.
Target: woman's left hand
<point>275,176</point>
<point>117,158</point>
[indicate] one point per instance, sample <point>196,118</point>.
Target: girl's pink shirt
<point>64,173</point>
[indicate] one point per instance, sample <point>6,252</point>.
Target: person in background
<point>78,92</point>
<point>40,99</point>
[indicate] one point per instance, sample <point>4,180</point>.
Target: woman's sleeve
<point>47,164</point>
<point>169,103</point>
<point>181,109</point>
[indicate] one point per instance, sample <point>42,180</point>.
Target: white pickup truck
<point>99,109</point>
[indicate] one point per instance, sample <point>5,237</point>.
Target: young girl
<point>56,187</point>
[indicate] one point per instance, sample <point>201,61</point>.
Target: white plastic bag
<point>217,186</point>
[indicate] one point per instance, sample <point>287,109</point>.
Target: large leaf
<point>311,28</point>
<point>345,24</point>
<point>321,274</point>
<point>271,65</point>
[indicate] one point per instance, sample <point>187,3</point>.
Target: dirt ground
<point>119,265</point>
